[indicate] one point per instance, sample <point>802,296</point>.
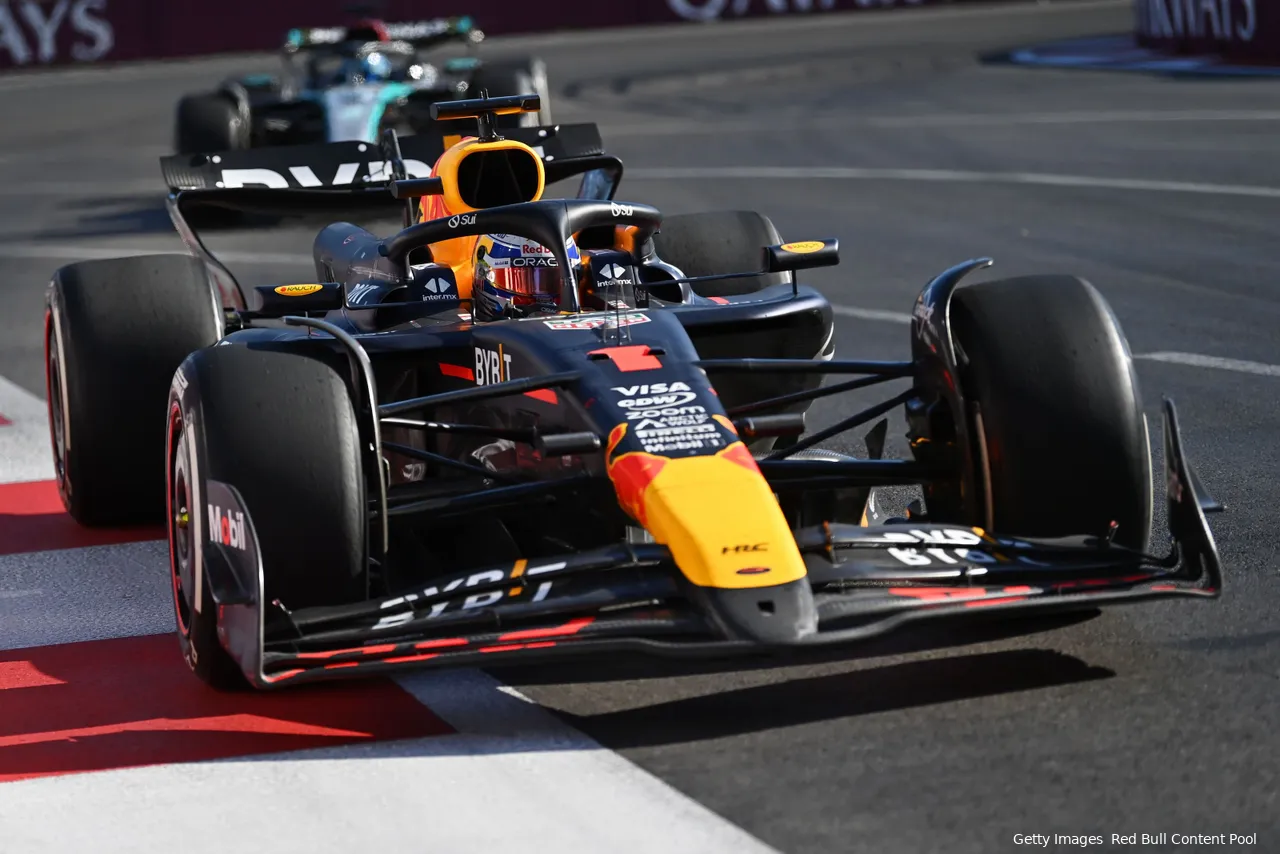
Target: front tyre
<point>195,614</point>
<point>280,428</point>
<point>1066,439</point>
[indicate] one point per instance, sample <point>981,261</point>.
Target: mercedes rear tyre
<point>516,77</point>
<point>115,331</point>
<point>209,123</point>
<point>1059,422</point>
<point>206,124</point>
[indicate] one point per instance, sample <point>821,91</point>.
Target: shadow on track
<point>113,216</point>
<point>630,667</point>
<point>842,695</point>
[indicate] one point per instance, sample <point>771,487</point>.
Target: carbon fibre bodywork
<point>618,478</point>
<point>634,597</point>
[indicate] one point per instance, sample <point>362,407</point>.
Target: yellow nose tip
<point>722,522</point>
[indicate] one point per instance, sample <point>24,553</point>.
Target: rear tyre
<point>1066,439</point>
<point>209,123</point>
<point>206,124</point>
<point>516,77</point>
<point>115,331</point>
<point>280,428</point>
<point>705,244</point>
<point>713,242</point>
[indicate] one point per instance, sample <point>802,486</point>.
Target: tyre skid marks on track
<point>91,681</point>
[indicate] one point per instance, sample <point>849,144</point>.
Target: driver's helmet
<point>515,277</point>
<point>375,67</point>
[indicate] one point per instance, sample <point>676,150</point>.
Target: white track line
<point>1196,360</point>
<point>789,124</point>
<point>874,314</point>
<point>25,453</point>
<point>853,173</point>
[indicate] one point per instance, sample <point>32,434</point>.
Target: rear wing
<point>352,167</point>
<point>419,34</point>
<point>343,178</point>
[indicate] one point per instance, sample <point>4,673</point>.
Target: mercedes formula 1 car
<point>358,474</point>
<point>352,83</point>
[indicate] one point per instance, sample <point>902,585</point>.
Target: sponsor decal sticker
<point>305,176</point>
<point>492,366</point>
<point>596,321</point>
<point>929,557</point>
<point>804,247</point>
<point>462,219</point>
<point>622,210</point>
<point>664,440</point>
<point>467,603</point>
<point>227,527</point>
<point>298,290</point>
<point>668,418</point>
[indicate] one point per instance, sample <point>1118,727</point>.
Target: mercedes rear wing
<point>419,34</point>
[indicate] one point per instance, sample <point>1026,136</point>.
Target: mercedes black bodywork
<point>495,531</point>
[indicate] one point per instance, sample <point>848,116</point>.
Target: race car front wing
<point>862,582</point>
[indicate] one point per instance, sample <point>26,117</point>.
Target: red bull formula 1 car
<point>360,473</point>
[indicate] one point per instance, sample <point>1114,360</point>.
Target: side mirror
<point>804,255</point>
<point>284,300</point>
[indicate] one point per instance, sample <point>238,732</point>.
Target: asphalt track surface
<point>888,132</point>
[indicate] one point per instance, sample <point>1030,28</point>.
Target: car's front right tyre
<point>280,428</point>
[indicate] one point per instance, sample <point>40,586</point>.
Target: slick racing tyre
<point>115,331</point>
<point>205,124</point>
<point>516,77</point>
<point>279,428</point>
<point>209,123</point>
<point>704,244</point>
<point>1065,436</point>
